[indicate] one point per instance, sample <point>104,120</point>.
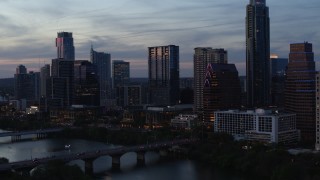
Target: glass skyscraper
<point>258,54</point>
<point>202,57</point>
<point>164,75</point>
<point>102,63</point>
<point>300,89</point>
<point>221,90</point>
<point>120,73</point>
<point>278,71</point>
<point>64,44</point>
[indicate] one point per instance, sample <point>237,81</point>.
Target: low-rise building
<point>259,125</point>
<point>184,121</point>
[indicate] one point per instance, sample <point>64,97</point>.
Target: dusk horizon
<point>126,29</point>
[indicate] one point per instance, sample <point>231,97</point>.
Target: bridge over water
<point>90,156</point>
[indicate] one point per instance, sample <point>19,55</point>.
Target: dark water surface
<point>177,170</point>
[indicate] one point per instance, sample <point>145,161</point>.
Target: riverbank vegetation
<point>255,160</point>
<point>55,170</point>
<point>121,136</point>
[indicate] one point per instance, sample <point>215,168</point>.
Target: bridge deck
<point>94,154</point>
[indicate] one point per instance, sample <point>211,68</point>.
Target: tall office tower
<point>44,76</point>
<point>26,85</point>
<point>129,95</point>
<point>120,73</point>
<point>64,44</point>
<point>202,57</point>
<point>86,84</point>
<point>61,84</point>
<point>221,90</point>
<point>102,63</point>
<point>164,75</point>
<point>258,54</point>
<point>300,89</point>
<point>278,71</point>
<point>317,106</point>
<point>21,69</point>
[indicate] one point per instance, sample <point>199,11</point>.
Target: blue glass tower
<point>64,44</point>
<point>164,78</point>
<point>258,54</point>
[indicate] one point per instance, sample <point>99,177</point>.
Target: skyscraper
<point>64,44</point>
<point>202,57</point>
<point>44,76</point>
<point>120,73</point>
<point>221,90</point>
<point>21,69</point>
<point>102,63</point>
<point>258,54</point>
<point>86,91</point>
<point>300,85</point>
<point>317,106</point>
<point>60,88</point>
<point>26,85</point>
<point>129,95</point>
<point>164,75</point>
<point>278,71</point>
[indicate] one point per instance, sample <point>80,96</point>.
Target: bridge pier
<point>15,138</point>
<point>88,166</point>
<point>163,154</point>
<point>116,162</point>
<point>141,159</point>
<point>41,135</point>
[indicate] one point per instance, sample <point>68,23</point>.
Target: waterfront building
<point>300,89</point>
<point>259,125</point>
<point>202,57</point>
<point>258,54</point>
<point>102,63</point>
<point>221,90</point>
<point>184,121</point>
<point>163,63</point>
<point>65,47</point>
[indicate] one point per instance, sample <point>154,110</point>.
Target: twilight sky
<point>125,28</point>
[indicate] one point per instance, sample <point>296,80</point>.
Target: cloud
<point>126,28</point>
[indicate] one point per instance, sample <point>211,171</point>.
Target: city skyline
<point>125,29</point>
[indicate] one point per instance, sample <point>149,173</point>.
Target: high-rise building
<point>258,54</point>
<point>300,87</point>
<point>202,57</point>
<point>102,63</point>
<point>260,125</point>
<point>163,62</point>
<point>278,69</point>
<point>221,90</point>
<point>64,44</point>
<point>26,85</point>
<point>317,106</point>
<point>86,85</point>
<point>129,95</point>
<point>120,73</point>
<point>61,84</point>
<point>44,76</point>
<point>21,69</point>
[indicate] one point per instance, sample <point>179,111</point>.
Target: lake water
<point>177,170</point>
